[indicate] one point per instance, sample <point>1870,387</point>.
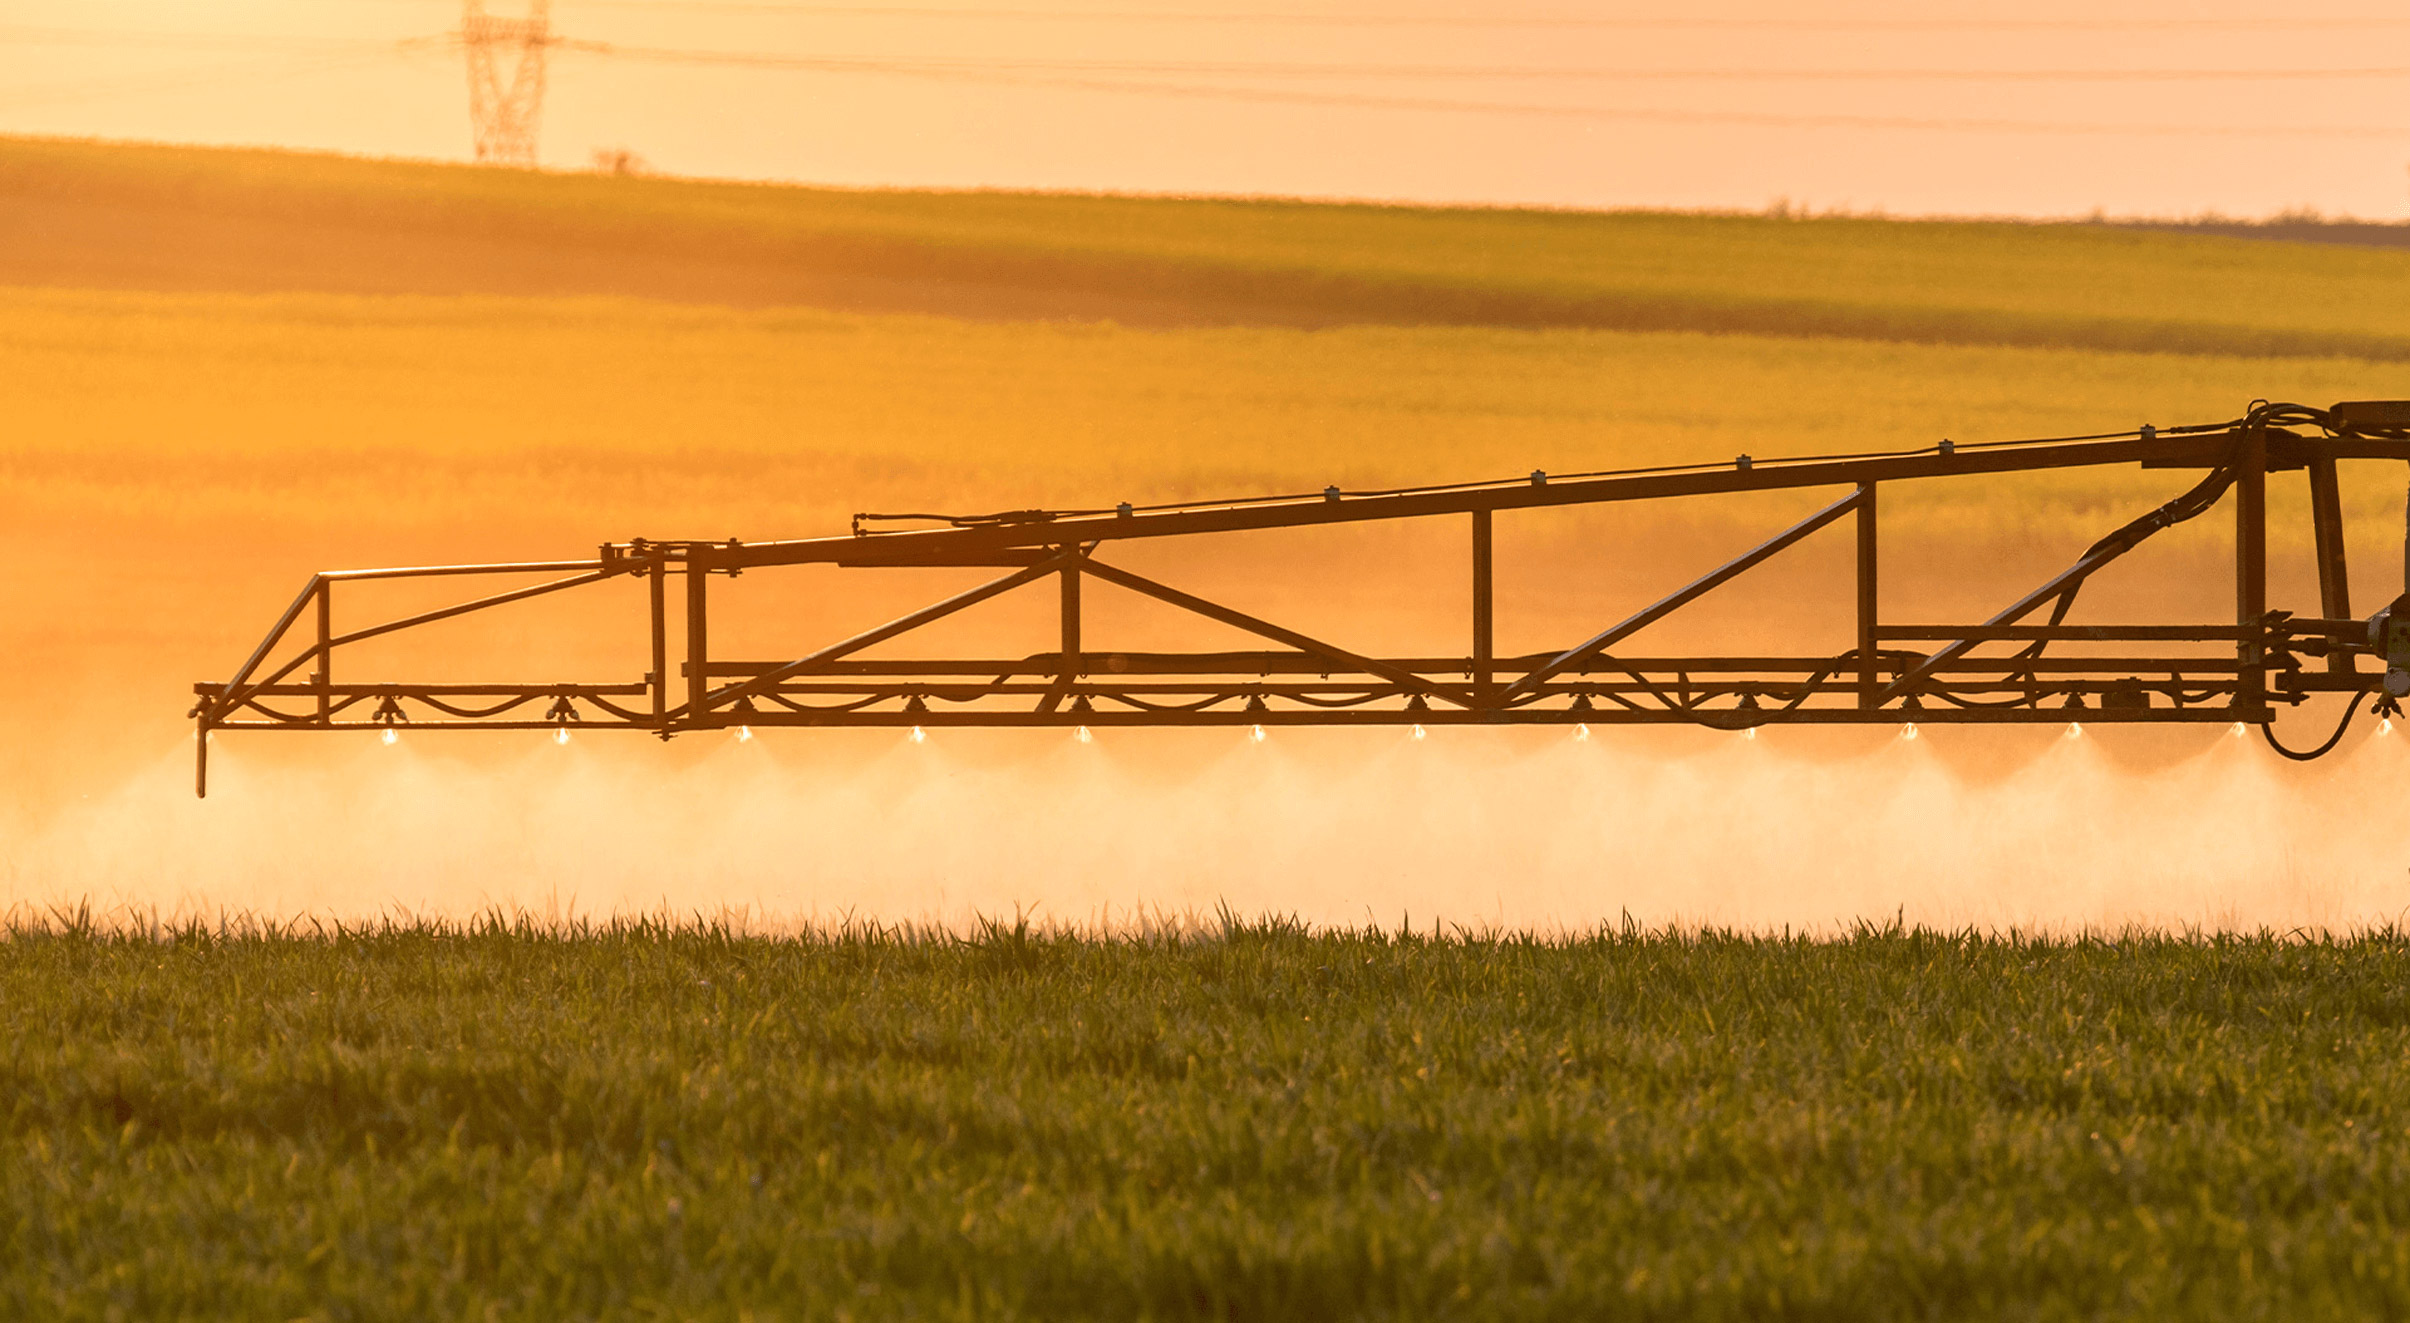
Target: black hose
<point>2267,730</point>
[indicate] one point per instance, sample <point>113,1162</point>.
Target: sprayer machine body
<point>2000,670</point>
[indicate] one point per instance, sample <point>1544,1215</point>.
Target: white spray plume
<point>1521,829</point>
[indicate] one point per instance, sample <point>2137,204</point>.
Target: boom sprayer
<point>1998,671</point>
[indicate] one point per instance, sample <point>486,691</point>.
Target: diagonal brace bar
<point>2024,606</point>
<point>901,625</point>
<point>1698,588</point>
<point>1395,674</point>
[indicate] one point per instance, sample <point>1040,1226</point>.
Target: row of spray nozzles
<point>1257,734</point>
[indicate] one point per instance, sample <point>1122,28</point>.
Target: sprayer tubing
<point>2133,534</point>
<point>933,545</point>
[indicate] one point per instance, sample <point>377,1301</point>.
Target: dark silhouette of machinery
<point>2000,670</point>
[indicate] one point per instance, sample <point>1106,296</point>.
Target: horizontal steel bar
<point>2324,682</point>
<point>1730,718</point>
<point>1697,693</point>
<point>2064,680</point>
<point>2349,629</point>
<point>1607,666</point>
<point>438,571</point>
<point>405,690</point>
<point>994,546</point>
<point>1132,663</point>
<point>1753,675</point>
<point>855,677</point>
<point>443,724</point>
<point>981,560</point>
<point>2072,633</point>
<point>2194,450</point>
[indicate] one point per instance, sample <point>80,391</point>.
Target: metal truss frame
<point>2226,671</point>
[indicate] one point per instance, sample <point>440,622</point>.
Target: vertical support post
<point>1073,662</point>
<point>658,589</point>
<point>1484,608</point>
<point>1870,680</point>
<point>698,634</point>
<point>2326,529</point>
<point>325,678</point>
<point>2251,569</point>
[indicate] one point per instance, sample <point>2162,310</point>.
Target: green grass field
<point>1243,1121</point>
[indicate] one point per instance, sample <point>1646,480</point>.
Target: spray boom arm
<point>2225,671</point>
